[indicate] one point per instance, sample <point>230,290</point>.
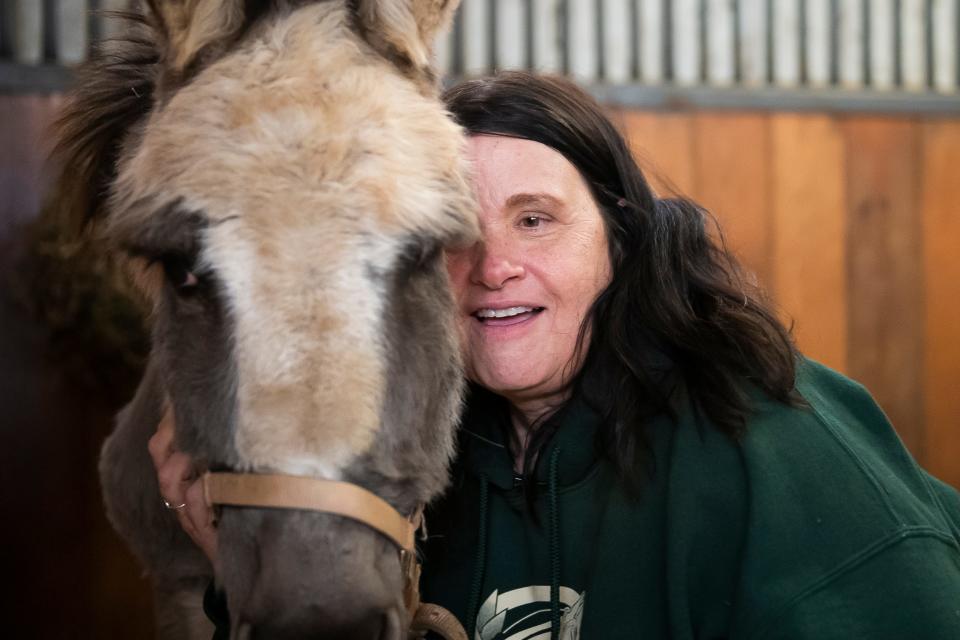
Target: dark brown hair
<point>679,313</point>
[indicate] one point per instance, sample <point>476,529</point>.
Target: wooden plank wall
<point>852,223</point>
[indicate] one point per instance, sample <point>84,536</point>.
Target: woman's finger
<point>180,488</point>
<point>160,444</point>
<point>175,476</point>
<point>202,526</point>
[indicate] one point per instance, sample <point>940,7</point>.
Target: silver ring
<point>173,507</point>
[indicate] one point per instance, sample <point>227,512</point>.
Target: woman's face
<point>523,291</point>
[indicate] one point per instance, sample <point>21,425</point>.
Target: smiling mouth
<point>509,315</point>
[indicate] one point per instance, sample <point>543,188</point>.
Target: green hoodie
<point>818,524</point>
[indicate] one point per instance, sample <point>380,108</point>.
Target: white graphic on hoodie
<point>524,614</point>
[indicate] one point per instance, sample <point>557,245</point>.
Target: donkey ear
<point>189,26</point>
<point>407,27</point>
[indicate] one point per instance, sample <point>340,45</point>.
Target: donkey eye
<point>419,255</point>
<point>179,273</point>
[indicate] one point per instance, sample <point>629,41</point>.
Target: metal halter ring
<point>173,507</point>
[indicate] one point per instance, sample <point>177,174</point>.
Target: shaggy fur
<point>288,158</point>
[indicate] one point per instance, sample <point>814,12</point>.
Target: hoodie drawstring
<point>554,547</point>
<point>554,536</point>
<point>480,560</point>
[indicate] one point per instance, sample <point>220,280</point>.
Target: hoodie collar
<point>484,448</point>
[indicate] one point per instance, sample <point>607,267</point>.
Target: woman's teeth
<point>484,314</point>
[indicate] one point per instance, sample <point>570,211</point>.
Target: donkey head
<point>286,179</point>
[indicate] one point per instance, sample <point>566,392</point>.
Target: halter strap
<point>313,494</point>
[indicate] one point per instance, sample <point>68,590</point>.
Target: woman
<point>643,453</point>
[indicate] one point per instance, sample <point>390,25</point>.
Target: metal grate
<point>38,32</point>
<point>772,49</point>
<point>807,52</point>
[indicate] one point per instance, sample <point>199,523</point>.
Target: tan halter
<point>350,501</point>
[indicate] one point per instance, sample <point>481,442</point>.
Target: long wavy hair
<point>679,312</point>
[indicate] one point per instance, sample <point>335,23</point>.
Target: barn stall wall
<point>851,222</point>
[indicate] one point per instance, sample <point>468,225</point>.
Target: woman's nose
<point>495,264</point>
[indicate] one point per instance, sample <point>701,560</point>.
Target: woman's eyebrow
<point>527,199</point>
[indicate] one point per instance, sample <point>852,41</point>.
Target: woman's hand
<point>181,487</point>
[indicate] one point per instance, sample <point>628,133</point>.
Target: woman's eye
<point>179,274</point>
<point>530,222</point>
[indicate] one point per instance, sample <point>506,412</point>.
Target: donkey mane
<point>112,97</point>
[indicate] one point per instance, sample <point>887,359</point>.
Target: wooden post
<point>686,42</point>
<point>753,42</point>
<point>945,45</point>
<point>476,25</point>
<point>547,56</point>
<point>882,44</point>
<point>786,43</point>
<point>509,34</point>
<point>26,16</point>
<point>651,35</point>
<point>616,41</point>
<point>851,44</point>
<point>913,54</point>
<point>818,43</point>
<point>720,45</point>
<point>582,47</point>
<point>70,31</point>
